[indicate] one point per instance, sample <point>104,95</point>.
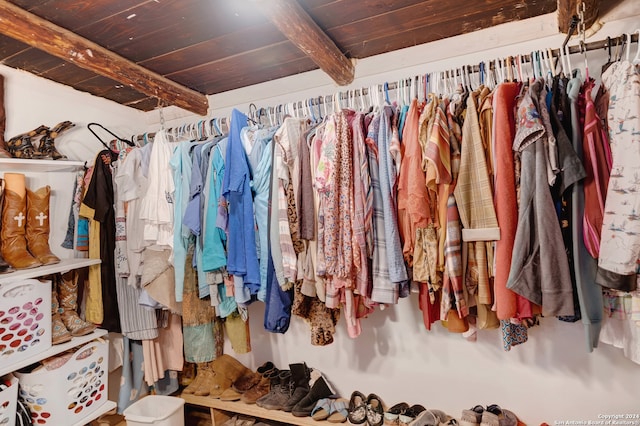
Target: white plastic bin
<point>72,391</point>
<point>156,410</point>
<point>9,401</point>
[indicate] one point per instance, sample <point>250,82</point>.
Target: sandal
<point>322,410</point>
<point>410,415</point>
<point>391,416</point>
<point>375,410</point>
<point>496,416</point>
<point>357,408</point>
<point>339,411</point>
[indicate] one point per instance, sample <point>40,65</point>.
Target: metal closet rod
<point>594,45</point>
<point>582,47</point>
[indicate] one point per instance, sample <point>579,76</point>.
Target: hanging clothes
<point>100,198</point>
<point>242,260</point>
<point>504,99</point>
<point>539,269</point>
<point>620,242</point>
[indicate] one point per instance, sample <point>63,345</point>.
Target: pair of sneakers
<point>492,415</point>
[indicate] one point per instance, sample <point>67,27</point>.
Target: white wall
<point>31,101</point>
<point>549,378</point>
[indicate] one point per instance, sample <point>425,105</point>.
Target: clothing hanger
<point>386,93</point>
<point>583,50</point>
<point>560,61</point>
<point>426,86</point>
<point>620,42</point>
<point>567,57</point>
<point>509,68</point>
<point>636,59</point>
<point>413,90</point>
<point>128,142</point>
<point>628,47</point>
<point>251,116</point>
<point>533,65</point>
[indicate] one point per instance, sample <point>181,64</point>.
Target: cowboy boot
<point>14,244</point>
<point>47,147</point>
<point>4,266</point>
<point>21,146</point>
<point>59,333</point>
<point>68,292</point>
<point>3,122</point>
<point>38,225</point>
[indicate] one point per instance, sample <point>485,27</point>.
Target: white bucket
<point>156,410</point>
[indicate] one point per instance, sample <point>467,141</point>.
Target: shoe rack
<point>221,411</point>
<point>58,174</point>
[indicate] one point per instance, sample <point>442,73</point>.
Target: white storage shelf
<point>39,166</point>
<point>63,266</point>
<point>54,350</point>
<point>51,166</point>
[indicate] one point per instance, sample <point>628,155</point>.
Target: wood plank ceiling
<point>212,46</point>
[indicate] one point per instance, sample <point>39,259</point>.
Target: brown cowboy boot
<point>4,266</point>
<point>3,122</point>
<point>14,244</point>
<point>59,333</point>
<point>38,225</point>
<point>68,293</point>
<point>21,146</point>
<point>47,147</point>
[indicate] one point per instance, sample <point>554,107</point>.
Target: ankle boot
<point>38,225</point>
<point>320,389</point>
<point>68,292</point>
<point>59,333</point>
<point>47,148</point>
<point>21,146</point>
<point>247,381</point>
<point>4,266</point>
<point>262,388</point>
<point>3,122</point>
<point>12,234</point>
<point>278,395</point>
<point>300,376</point>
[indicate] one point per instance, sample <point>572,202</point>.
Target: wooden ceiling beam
<point>28,28</point>
<point>296,24</point>
<point>569,8</point>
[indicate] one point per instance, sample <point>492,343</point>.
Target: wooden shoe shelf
<point>221,411</point>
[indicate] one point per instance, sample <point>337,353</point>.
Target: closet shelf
<point>39,166</point>
<point>53,350</point>
<point>104,408</point>
<point>64,266</point>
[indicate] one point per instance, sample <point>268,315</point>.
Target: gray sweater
<point>539,266</point>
